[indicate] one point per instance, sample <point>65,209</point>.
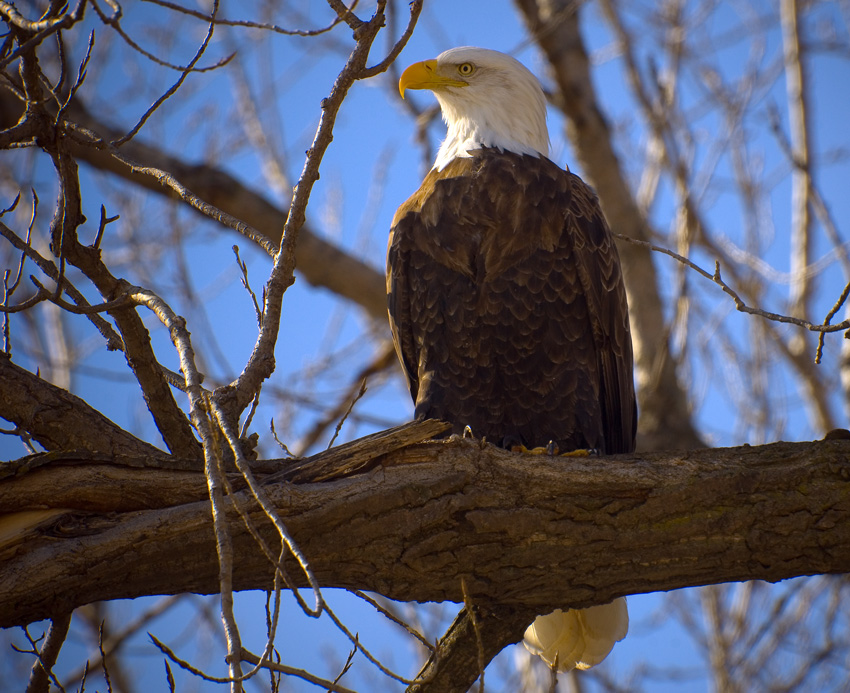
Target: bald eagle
<point>506,298</point>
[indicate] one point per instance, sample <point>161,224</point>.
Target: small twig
<point>243,267</point>
<point>104,220</point>
<point>113,340</point>
<point>114,22</point>
<point>345,667</point>
<point>103,657</point>
<point>354,401</point>
<point>87,137</point>
<point>13,206</point>
<point>81,76</point>
<point>169,677</point>
<point>366,653</point>
<point>292,671</point>
<point>840,302</point>
<point>183,664</point>
<point>280,443</point>
<point>250,416</point>
<point>51,26</point>
<point>249,24</point>
<point>395,619</point>
<point>184,74</point>
<point>740,305</point>
<point>415,10</point>
<point>271,512</point>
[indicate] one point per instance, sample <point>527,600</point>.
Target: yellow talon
<point>552,449</point>
<point>581,452</point>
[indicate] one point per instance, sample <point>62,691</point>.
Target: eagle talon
<point>539,450</point>
<point>467,432</point>
<point>552,448</point>
<point>581,452</point>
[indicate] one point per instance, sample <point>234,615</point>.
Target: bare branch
<point>42,669</point>
<point>627,523</point>
<point>114,22</point>
<point>740,305</point>
<point>173,89</point>
<point>249,24</point>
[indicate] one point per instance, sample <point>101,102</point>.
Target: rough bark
<point>520,530</point>
<point>59,420</point>
<point>459,665</point>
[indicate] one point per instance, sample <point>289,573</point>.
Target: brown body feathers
<point>507,305</point>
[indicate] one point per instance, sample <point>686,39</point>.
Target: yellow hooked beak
<point>424,75</point>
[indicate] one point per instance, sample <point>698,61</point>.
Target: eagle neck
<point>518,130</point>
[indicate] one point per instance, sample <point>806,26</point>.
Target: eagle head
<point>488,99</point>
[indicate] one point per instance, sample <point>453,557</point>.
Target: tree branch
<point>59,420</point>
<point>320,262</point>
<point>521,531</point>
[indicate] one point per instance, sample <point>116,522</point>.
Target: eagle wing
<point>507,306</point>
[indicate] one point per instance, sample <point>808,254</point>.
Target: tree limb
<point>59,420</point>
<point>321,263</point>
<point>531,531</point>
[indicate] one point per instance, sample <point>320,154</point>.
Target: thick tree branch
<point>59,420</point>
<point>523,531</point>
<point>456,667</point>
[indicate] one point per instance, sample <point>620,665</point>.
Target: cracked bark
<point>521,531</point>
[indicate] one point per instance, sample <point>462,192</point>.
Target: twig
<point>87,137</point>
<point>212,466</point>
<point>829,316</point>
<point>67,20</point>
<point>280,443</point>
<point>249,24</point>
<point>415,10</point>
<point>261,363</point>
<point>271,512</point>
<point>355,641</point>
<point>395,619</point>
<point>292,671</point>
<point>81,77</point>
<point>470,607</point>
<point>355,400</point>
<point>740,305</point>
<point>173,89</point>
<point>243,268</point>
<point>114,22</point>
<point>42,669</point>
<point>113,340</point>
<point>104,220</point>
<point>103,657</point>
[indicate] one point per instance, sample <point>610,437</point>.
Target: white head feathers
<point>488,99</point>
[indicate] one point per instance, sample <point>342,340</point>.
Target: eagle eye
<point>465,69</point>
